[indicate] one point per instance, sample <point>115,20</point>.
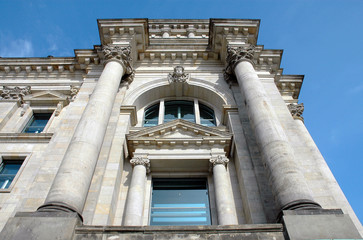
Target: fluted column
<point>288,183</point>
<point>136,196</point>
<point>70,186</point>
<point>223,192</point>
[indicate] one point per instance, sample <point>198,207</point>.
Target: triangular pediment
<point>179,129</point>
<point>47,98</point>
<point>179,134</point>
<point>46,95</point>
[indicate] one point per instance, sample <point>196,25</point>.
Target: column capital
<point>141,161</point>
<point>236,55</point>
<point>296,110</point>
<point>121,55</point>
<point>219,160</point>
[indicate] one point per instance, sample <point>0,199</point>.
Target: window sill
<point>26,137</point>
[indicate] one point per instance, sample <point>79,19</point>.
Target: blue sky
<point>322,39</point>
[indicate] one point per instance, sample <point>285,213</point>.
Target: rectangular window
<point>37,123</point>
<point>180,201</point>
<point>8,171</point>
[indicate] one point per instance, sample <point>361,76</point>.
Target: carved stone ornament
<point>296,110</point>
<point>123,56</point>
<point>219,160</point>
<point>236,55</point>
<point>178,75</point>
<point>16,93</point>
<point>74,92</point>
<point>141,161</point>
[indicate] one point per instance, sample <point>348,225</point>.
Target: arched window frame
<point>196,104</point>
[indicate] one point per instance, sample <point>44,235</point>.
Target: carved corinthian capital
<point>296,110</point>
<point>178,75</point>
<point>15,93</point>
<point>219,160</point>
<point>236,55</point>
<point>141,161</point>
<point>121,55</point>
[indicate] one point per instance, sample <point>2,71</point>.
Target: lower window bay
<point>180,201</point>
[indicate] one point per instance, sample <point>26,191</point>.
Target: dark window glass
<point>37,123</point>
<point>206,116</point>
<point>8,171</point>
<point>179,110</point>
<point>151,116</point>
<point>180,202</point>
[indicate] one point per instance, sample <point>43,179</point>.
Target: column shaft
<point>224,197</point>
<point>135,198</point>
<point>71,184</point>
<point>287,180</point>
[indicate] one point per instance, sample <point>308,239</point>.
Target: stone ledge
<point>26,137</point>
<point>245,228</point>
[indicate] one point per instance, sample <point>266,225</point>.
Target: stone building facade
<point>170,129</point>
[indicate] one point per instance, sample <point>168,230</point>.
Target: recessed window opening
<point>8,171</point>
<point>179,109</point>
<point>180,202</point>
<point>37,123</point>
<point>151,116</point>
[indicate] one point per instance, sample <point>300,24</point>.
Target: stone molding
<point>178,75</point>
<point>16,93</point>
<point>121,55</point>
<point>296,110</point>
<point>219,160</point>
<point>26,137</point>
<point>141,161</point>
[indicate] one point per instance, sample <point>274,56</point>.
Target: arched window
<point>151,116</point>
<point>179,109</point>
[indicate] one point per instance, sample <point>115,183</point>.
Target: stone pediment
<point>47,98</point>
<point>178,132</point>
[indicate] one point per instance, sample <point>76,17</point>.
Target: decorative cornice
<point>178,75</point>
<point>121,55</point>
<point>16,93</point>
<point>219,160</point>
<point>141,161</point>
<point>296,110</point>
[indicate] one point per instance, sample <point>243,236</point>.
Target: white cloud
<point>16,48</point>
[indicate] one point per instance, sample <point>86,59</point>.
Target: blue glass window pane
<point>180,202</point>
<point>37,123</point>
<point>206,116</point>
<point>151,116</point>
<point>8,171</point>
<point>179,110</point>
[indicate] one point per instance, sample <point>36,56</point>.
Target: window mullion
<point>196,111</point>
<point>161,111</point>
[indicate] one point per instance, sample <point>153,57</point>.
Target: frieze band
<point>16,93</point>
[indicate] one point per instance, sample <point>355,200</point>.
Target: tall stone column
<point>223,192</point>
<point>70,187</point>
<point>136,196</point>
<point>288,183</point>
